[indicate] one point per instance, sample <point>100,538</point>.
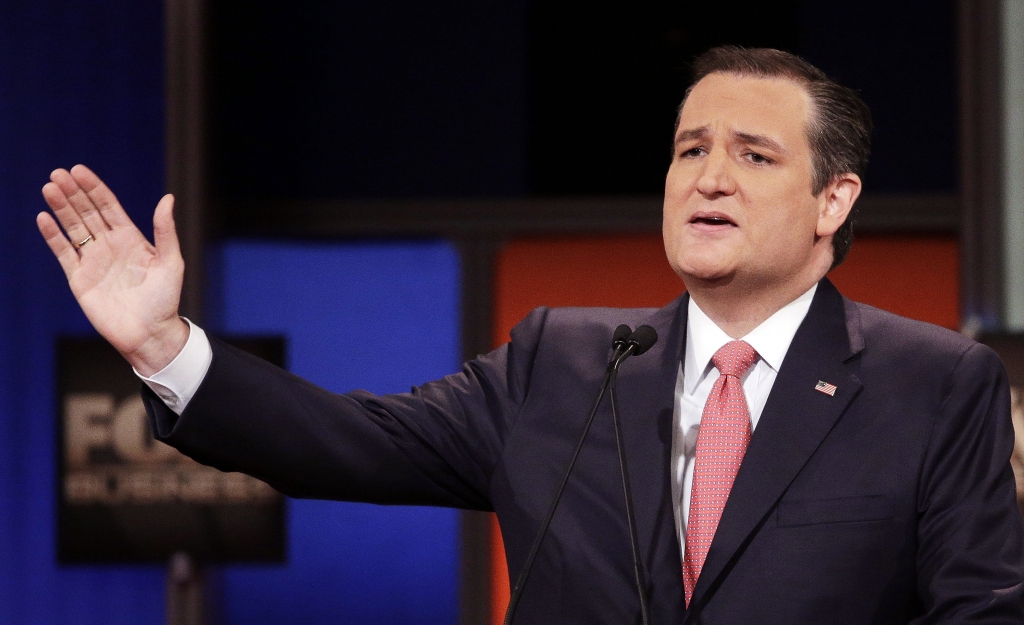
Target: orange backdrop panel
<point>914,276</point>
<point>621,270</point>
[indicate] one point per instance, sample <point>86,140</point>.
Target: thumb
<point>165,235</point>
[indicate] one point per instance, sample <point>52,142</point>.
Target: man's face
<point>738,202</point>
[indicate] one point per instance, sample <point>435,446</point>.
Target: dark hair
<point>839,132</point>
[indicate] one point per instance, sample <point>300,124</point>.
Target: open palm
<point>128,288</point>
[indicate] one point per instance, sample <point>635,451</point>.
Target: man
<point>795,457</point>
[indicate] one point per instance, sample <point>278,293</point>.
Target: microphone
<point>625,343</point>
<point>638,342</point>
<point>643,339</point>
<point>620,337</point>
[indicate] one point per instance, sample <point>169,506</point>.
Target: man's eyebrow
<point>691,134</point>
<point>760,141</point>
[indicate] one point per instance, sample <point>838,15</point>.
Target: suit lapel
<point>645,391</point>
<point>795,420</point>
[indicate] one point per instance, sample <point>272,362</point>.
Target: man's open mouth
<point>712,219</point>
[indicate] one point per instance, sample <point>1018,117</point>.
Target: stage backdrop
<point>83,82</point>
<point>79,82</point>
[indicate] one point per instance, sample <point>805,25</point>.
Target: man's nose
<point>716,175</point>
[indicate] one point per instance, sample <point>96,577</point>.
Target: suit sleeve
<point>437,445</point>
<point>971,539</point>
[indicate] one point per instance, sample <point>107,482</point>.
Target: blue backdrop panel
<point>382,317</point>
<point>80,81</point>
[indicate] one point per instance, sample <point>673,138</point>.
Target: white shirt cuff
<point>176,383</point>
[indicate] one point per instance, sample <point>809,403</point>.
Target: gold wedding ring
<point>83,242</point>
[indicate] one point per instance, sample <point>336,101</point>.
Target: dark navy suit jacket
<point>890,502</point>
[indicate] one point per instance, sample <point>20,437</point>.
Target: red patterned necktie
<point>721,443</point>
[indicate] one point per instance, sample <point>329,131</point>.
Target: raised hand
<point>128,288</point>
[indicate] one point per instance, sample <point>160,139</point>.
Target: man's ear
<point>836,202</point>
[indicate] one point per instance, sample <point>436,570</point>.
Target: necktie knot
<point>734,358</point>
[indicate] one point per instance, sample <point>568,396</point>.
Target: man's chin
<point>705,275</point>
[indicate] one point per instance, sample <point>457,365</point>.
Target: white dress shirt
<point>697,375</point>
<point>176,383</point>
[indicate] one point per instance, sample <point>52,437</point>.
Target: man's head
<point>767,163</point>
<point>839,131</point>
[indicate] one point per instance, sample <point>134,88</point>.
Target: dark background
<point>398,99</point>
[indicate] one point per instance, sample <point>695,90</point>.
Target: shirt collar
<point>771,339</point>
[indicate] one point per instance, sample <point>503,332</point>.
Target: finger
<point>66,214</point>
<point>165,234</point>
<point>101,195</point>
<point>82,204</point>
<point>59,245</point>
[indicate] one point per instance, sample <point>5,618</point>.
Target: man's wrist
<point>176,383</point>
<point>160,349</point>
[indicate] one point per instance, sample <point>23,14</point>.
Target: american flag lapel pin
<point>825,387</point>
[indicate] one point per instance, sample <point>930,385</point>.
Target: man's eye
<point>692,152</point>
<point>758,159</point>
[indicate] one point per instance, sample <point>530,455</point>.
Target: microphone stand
<point>524,574</point>
<point>634,543</point>
<point>637,343</point>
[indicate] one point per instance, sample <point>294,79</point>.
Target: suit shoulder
<point>888,333</point>
<point>598,317</point>
<point>577,320</point>
<point>578,333</point>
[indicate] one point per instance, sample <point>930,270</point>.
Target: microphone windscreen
<point>644,337</point>
<point>621,335</point>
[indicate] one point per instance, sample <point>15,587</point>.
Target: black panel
<point>391,98</point>
<point>901,56</point>
<point>326,101</point>
<point>123,497</point>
